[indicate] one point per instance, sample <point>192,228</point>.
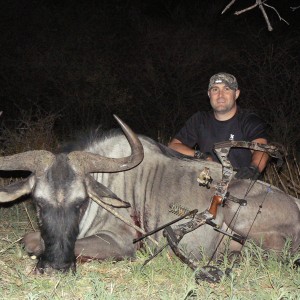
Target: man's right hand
<point>250,172</point>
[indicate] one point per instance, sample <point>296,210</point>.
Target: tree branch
<point>246,9</point>
<point>281,19</point>
<point>261,7</point>
<point>294,8</point>
<point>227,7</point>
<point>260,4</point>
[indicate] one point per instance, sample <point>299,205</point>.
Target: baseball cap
<point>228,79</point>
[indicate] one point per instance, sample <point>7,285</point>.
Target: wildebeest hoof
<point>33,243</point>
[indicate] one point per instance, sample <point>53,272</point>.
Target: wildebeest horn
<point>90,162</point>
<point>36,161</point>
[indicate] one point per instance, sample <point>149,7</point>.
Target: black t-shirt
<point>205,130</point>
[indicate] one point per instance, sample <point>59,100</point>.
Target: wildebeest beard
<point>59,229</point>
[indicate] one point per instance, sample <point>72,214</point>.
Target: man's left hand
<point>250,172</point>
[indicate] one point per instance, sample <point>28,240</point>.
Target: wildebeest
<point>148,177</point>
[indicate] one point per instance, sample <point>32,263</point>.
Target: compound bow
<point>221,195</point>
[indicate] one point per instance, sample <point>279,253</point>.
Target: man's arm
<point>258,164</point>
<point>180,147</point>
<point>260,159</point>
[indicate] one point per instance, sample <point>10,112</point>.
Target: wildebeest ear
<point>17,189</point>
<point>98,191</point>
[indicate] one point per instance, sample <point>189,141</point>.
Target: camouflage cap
<point>228,79</point>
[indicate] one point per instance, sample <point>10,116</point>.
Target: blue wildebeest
<point>62,187</point>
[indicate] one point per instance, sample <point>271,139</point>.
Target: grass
<point>253,277</point>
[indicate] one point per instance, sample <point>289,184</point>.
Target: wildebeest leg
<point>33,243</point>
<point>101,246</point>
<point>104,245</point>
<point>269,240</point>
<point>271,215</point>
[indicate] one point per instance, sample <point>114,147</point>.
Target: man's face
<point>222,98</point>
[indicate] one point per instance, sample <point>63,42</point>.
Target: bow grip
<point>216,201</point>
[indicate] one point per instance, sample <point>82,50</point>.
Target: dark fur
<point>59,230</point>
<point>59,222</point>
<point>83,140</point>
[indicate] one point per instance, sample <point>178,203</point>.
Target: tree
<point>264,7</point>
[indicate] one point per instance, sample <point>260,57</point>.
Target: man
<point>226,121</point>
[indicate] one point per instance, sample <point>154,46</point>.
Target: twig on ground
<point>55,288</point>
<point>291,177</point>
<point>295,187</point>
<point>29,218</point>
<point>297,167</point>
<point>280,180</point>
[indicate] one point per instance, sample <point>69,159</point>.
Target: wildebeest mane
<point>172,153</point>
<point>83,140</point>
<point>165,150</point>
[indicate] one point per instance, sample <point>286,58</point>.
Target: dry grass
<point>33,131</point>
<point>254,277</point>
<point>286,177</point>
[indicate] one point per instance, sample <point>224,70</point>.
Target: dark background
<point>75,63</point>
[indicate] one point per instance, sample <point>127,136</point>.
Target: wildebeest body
<point>150,188</point>
<point>274,223</point>
<point>62,190</point>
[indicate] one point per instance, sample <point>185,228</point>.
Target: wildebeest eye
<point>79,203</point>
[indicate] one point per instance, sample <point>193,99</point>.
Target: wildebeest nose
<point>50,269</point>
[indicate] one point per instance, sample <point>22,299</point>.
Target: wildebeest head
<point>60,186</point>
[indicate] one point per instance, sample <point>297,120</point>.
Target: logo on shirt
<point>231,138</point>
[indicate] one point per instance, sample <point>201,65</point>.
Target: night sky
<point>147,61</point>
